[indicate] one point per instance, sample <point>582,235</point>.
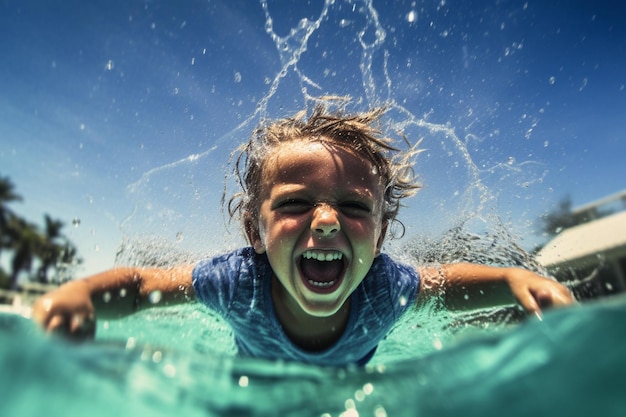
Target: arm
<point>114,293</point>
<point>466,283</point>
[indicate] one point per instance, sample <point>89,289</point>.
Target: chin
<point>321,309</point>
<point>321,312</point>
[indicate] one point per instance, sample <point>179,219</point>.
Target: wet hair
<point>359,133</point>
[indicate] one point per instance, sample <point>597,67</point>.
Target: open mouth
<point>322,271</point>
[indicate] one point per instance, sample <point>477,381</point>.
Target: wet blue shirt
<point>237,285</point>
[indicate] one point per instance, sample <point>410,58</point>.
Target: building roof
<point>607,234</point>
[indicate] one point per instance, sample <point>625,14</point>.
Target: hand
<point>67,310</point>
<point>535,292</point>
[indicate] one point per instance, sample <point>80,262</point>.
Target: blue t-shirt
<point>237,285</point>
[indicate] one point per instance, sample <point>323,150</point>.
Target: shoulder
<point>227,264</point>
<point>384,267</point>
<point>223,275</point>
<point>391,283</point>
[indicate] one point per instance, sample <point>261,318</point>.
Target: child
<point>317,199</point>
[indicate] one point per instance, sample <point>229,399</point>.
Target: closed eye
<point>292,205</point>
<point>355,208</point>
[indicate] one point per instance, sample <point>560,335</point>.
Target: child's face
<point>319,201</point>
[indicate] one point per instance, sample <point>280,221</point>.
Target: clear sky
<point>122,114</point>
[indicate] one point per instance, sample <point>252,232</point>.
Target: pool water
<point>180,361</point>
<point>151,98</point>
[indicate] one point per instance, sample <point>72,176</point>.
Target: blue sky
<point>123,113</point>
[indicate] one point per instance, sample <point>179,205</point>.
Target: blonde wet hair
<point>359,133</point>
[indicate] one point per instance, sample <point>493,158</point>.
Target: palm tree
<point>67,260</point>
<point>48,249</point>
<point>29,245</point>
<point>7,195</point>
<point>24,238</point>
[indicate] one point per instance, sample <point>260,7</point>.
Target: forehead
<point>317,162</point>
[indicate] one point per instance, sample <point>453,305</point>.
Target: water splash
<point>343,49</point>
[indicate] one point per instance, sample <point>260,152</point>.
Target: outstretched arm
<point>114,293</point>
<point>457,281</point>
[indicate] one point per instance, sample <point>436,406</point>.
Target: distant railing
<point>26,294</point>
<point>601,208</point>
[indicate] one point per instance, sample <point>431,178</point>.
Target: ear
<point>253,234</point>
<point>381,238</point>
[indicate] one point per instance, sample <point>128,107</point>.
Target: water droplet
<point>380,411</point>
<point>169,370</point>
<point>438,344</point>
<point>179,236</point>
<point>350,405</point>
<point>411,16</point>
<point>552,80</point>
<point>76,222</point>
<point>359,395</point>
<point>155,297</point>
<point>109,65</point>
<point>243,381</point>
<point>237,77</point>
<point>106,297</point>
<point>131,342</point>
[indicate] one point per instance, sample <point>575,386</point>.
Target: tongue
<point>321,271</point>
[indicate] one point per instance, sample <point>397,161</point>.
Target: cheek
<point>365,230</point>
<point>278,230</point>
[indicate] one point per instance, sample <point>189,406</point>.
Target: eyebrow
<point>291,188</point>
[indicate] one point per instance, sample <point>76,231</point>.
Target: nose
<point>325,220</point>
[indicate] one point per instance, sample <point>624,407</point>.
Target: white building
<point>594,251</point>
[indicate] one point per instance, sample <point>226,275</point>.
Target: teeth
<point>321,284</point>
<point>322,256</point>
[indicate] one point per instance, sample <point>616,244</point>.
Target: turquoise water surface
<point>120,116</point>
<point>179,361</point>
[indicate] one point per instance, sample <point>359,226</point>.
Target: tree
<point>30,246</point>
<point>563,217</point>
<point>7,195</point>
<point>559,219</point>
<point>24,239</point>
<point>50,247</point>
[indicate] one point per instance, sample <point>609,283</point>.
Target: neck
<point>308,332</point>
